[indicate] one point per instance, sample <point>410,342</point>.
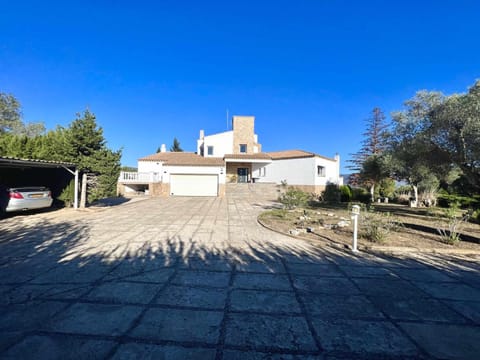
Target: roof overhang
<point>244,160</point>
<point>32,163</point>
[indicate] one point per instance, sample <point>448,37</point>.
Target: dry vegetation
<point>386,224</point>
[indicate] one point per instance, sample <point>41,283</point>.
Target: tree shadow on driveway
<point>71,290</point>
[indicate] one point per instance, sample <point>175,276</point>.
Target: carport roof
<point>26,163</point>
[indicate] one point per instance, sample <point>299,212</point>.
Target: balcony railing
<point>139,177</point>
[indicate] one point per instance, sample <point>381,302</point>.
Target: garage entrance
<point>193,185</point>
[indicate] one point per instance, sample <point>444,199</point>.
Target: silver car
<point>26,198</point>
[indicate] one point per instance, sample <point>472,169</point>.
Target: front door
<point>243,175</point>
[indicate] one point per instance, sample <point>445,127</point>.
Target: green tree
<point>455,132</point>
<point>10,114</point>
<point>176,146</point>
<point>413,156</point>
<point>11,118</point>
<point>374,140</point>
<point>83,144</point>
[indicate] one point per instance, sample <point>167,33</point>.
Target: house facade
<point>233,156</point>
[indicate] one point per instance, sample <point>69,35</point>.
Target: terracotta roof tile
<point>184,159</point>
<point>256,156</point>
<point>294,154</point>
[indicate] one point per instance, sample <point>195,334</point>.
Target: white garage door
<point>193,185</point>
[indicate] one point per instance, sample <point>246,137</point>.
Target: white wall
<point>149,166</point>
<point>217,170</point>
<point>222,144</point>
<point>332,172</point>
<point>294,171</point>
<point>300,171</point>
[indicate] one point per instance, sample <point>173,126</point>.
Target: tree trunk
<point>83,194</point>
<point>414,202</point>
<point>372,192</point>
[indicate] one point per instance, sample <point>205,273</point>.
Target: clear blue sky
<point>310,71</point>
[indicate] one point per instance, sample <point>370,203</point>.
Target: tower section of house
<point>239,147</point>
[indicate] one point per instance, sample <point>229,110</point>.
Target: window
<point>321,171</point>
<point>209,150</point>
<point>243,148</point>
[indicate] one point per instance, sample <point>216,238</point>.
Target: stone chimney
<point>163,148</point>
<point>202,134</point>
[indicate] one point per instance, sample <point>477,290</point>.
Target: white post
<point>355,213</point>
<point>355,231</point>
<point>75,196</point>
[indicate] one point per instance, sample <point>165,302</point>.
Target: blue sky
<point>310,71</point>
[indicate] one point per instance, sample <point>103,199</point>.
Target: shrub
<point>331,193</point>
<point>447,200</point>
<point>376,227</point>
<point>294,197</point>
<point>361,195</point>
<point>450,233</point>
<point>345,193</point>
<point>68,194</point>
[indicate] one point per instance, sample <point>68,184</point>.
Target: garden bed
<point>408,228</point>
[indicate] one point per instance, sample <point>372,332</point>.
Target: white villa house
<point>229,157</point>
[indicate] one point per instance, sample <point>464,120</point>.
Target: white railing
<point>139,177</point>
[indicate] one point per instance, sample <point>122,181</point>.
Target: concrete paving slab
<point>264,301</point>
<point>400,289</point>
<point>368,272</point>
<point>335,286</point>
<point>450,291</point>
<point>183,296</point>
<point>255,355</point>
<point>121,292</point>
<point>133,351</point>
<point>469,309</point>
<point>426,275</point>
<point>327,306</point>
<point>267,267</point>
<point>152,276</point>
<point>315,269</point>
<point>446,341</point>
<point>259,332</point>
<point>418,309</point>
<point>179,325</point>
<point>202,278</point>
<point>95,319</point>
<point>59,347</point>
<point>262,281</point>
<point>364,337</point>
<point>28,316</point>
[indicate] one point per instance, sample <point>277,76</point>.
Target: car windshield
<point>29,189</point>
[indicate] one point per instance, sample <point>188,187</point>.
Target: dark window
<point>210,150</point>
<point>243,148</point>
<point>320,170</point>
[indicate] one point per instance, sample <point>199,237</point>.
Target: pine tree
<point>176,146</point>
<point>374,142</point>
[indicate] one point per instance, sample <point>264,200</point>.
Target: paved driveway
<point>184,278</point>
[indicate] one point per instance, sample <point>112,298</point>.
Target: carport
<point>11,164</point>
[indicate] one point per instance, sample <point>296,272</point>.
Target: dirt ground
<point>414,228</point>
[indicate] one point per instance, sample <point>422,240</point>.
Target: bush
<point>376,227</point>
<point>67,196</point>
<point>446,200</point>
<point>331,193</point>
<point>361,195</point>
<point>345,193</point>
<point>294,197</point>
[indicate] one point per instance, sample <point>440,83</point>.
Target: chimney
<point>163,148</point>
<point>202,134</point>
